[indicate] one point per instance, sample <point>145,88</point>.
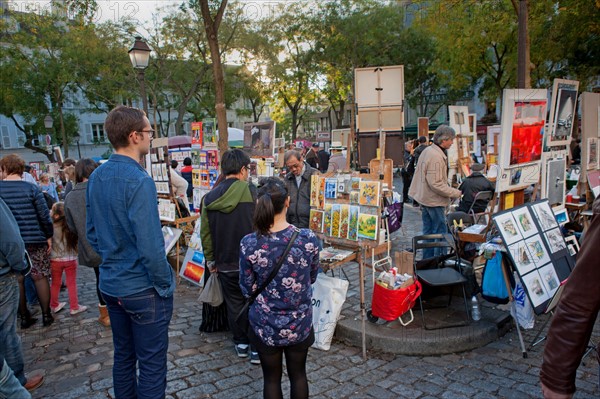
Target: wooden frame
<point>564,100</point>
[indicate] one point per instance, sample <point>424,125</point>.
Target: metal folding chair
<point>445,271</point>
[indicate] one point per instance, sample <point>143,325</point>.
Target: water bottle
<point>475,312</point>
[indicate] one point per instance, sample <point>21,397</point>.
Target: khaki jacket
<point>430,183</point>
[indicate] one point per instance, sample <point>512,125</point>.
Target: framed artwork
<point>572,245</point>
<point>369,193</point>
<point>562,111</point>
<point>537,249</point>
<point>170,235</point>
<point>521,257</point>
<point>259,138</point>
<point>523,120</point>
<point>193,268</point>
<point>316,220</point>
<point>535,288</point>
<point>367,226</point>
<point>555,240</point>
<point>555,180</point>
<point>508,228</point>
<point>561,215</point>
<point>354,196</point>
<point>335,220</point>
<point>549,279</point>
<point>330,188</point>
<point>355,183</point>
<point>327,219</point>
<point>524,222</point>
<point>459,119</point>
<point>344,213</point>
<point>494,134</point>
<point>545,217</point>
<point>592,153</point>
<point>314,190</point>
<point>321,192</point>
<point>353,222</point>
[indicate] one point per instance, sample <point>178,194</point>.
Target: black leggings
<point>272,367</point>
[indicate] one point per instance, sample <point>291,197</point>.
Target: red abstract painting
<point>528,131</point>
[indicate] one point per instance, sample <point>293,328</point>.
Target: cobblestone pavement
<point>76,355</point>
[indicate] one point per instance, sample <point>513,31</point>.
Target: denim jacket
<point>123,227</point>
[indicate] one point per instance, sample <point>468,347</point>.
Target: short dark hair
<point>12,164</point>
<point>174,164</point>
<point>233,161</point>
<point>187,161</point>
<point>84,168</point>
<point>69,162</point>
<point>120,122</point>
<point>272,195</point>
<point>422,139</point>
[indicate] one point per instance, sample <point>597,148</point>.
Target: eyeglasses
<point>150,132</point>
<point>294,166</point>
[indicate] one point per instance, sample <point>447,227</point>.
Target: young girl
<point>63,258</point>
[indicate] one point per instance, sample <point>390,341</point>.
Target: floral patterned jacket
<point>282,314</point>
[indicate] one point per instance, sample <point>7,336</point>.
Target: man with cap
<point>471,186</point>
<point>311,156</point>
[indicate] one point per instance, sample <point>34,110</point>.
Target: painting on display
<point>529,117</point>
<point>536,290</point>
<point>562,111</point>
<point>316,220</point>
<point>545,216</point>
<point>196,134</point>
<point>549,279</point>
<point>314,190</point>
<point>330,188</point>
<point>537,250</point>
<point>259,138</point>
<point>369,193</point>
<point>209,133</point>
<point>335,220</point>
<point>367,226</point>
<point>353,223</point>
<point>555,240</point>
<point>459,119</point>
<point>344,221</point>
<point>327,219</point>
<point>522,257</point>
<point>524,222</point>
<point>508,228</point>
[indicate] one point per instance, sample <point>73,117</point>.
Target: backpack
<point>49,199</point>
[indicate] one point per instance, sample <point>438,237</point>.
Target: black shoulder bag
<point>242,317</point>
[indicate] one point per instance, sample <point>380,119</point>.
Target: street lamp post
<point>139,54</point>
<point>48,123</point>
<point>77,138</point>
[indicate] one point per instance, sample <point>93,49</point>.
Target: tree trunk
<point>63,132</point>
<point>211,26</point>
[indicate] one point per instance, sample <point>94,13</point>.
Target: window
<point>98,132</point>
<point>5,137</point>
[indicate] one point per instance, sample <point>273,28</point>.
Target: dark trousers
<point>234,300</point>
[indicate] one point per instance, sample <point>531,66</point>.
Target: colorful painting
<point>369,193</point>
<point>355,183</point>
<point>521,257</point>
<point>330,188</point>
<point>316,220</point>
<point>354,195</point>
<point>353,223</point>
<point>321,193</point>
<point>192,268</point>
<point>367,226</point>
<point>549,279</point>
<point>327,219</point>
<point>537,250</point>
<point>314,191</point>
<point>335,220</point>
<point>344,221</point>
<point>259,138</point>
<point>528,122</point>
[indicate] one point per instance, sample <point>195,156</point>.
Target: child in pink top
<point>63,257</point>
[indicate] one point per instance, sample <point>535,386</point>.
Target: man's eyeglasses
<point>150,132</point>
<point>294,166</point>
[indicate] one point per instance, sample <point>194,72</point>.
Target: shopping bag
<point>492,285</point>
<point>394,214</point>
<point>522,311</point>
<point>329,294</point>
<point>391,304</point>
<point>212,293</point>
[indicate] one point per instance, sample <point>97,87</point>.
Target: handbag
<point>242,318</point>
<point>212,293</point>
<point>329,295</point>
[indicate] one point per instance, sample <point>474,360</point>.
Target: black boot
<point>47,318</point>
<point>26,320</point>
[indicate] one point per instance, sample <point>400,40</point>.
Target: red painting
<point>528,131</point>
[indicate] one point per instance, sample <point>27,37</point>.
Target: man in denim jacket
<point>136,281</point>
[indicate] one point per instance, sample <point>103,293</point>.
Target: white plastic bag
<point>521,310</point>
<point>329,294</point>
<point>211,293</point>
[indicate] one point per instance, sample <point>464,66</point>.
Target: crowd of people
<point>255,239</point>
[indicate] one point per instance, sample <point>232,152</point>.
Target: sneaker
<point>80,309</point>
<point>242,350</point>
<point>254,359</point>
<point>34,382</point>
<point>59,307</point>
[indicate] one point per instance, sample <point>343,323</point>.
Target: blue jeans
<point>10,342</point>
<point>434,222</point>
<point>10,387</point>
<point>140,326</point>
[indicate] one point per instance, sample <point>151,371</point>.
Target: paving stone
<point>200,391</point>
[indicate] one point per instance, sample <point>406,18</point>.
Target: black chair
<point>440,271</point>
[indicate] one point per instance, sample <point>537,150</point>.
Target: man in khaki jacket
<point>430,184</point>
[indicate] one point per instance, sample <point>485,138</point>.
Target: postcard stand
<point>159,169</point>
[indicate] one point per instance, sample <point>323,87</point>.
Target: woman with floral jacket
<point>281,316</point>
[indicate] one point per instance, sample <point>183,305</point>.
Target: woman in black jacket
<point>29,208</point>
